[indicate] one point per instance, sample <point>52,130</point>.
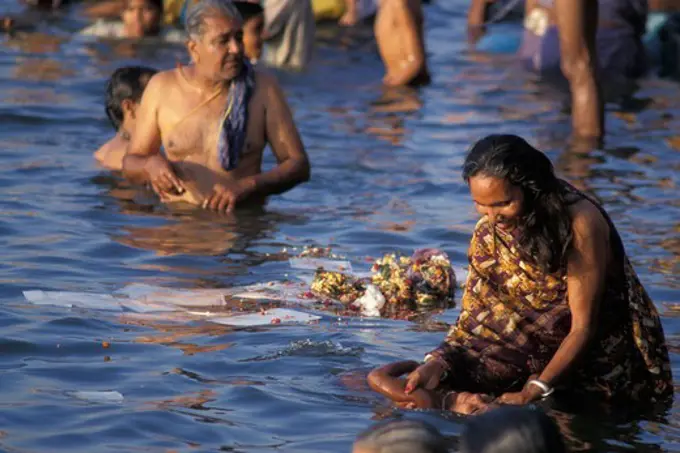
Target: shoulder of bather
<point>160,82</point>
<point>265,80</point>
<point>588,220</point>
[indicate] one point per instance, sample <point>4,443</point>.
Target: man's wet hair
<point>510,430</point>
<point>248,10</point>
<point>200,9</point>
<point>126,83</point>
<point>402,436</point>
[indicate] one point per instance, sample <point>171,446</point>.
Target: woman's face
<point>497,199</point>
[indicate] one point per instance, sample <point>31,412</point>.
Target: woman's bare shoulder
<point>588,219</point>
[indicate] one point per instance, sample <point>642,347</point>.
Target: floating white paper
<point>313,264</point>
<point>273,316</point>
<point>99,396</point>
<point>149,294</point>
<point>275,291</point>
<point>74,299</point>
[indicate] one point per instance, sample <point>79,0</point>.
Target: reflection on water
<point>386,177</point>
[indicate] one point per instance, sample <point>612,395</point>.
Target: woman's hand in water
<point>426,376</point>
<point>225,196</point>
<point>161,176</point>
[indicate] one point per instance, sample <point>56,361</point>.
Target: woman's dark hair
<point>546,233</point>
<point>248,9</point>
<point>402,436</point>
<point>512,430</point>
<point>125,83</point>
<point>158,4</point>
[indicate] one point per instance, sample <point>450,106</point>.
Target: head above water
<point>401,436</point>
<point>514,185</point>
<point>142,17</point>
<point>124,91</point>
<point>215,30</point>
<point>511,430</point>
<point>253,28</point>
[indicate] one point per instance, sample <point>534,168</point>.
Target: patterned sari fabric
<point>514,316</point>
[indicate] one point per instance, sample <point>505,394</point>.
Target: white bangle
<point>547,390</point>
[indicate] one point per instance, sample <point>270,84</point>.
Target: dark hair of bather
<point>155,3</point>
<point>546,233</point>
<point>248,10</point>
<point>126,83</point>
<point>512,429</point>
<point>401,436</point>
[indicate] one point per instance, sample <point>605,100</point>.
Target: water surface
<point>386,177</point>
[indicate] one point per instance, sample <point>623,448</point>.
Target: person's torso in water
<point>190,128</point>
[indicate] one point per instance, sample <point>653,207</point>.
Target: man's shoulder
<point>265,79</point>
<point>162,80</point>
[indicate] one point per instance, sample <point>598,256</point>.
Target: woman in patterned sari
<point>551,303</point>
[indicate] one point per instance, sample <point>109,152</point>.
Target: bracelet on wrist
<point>545,388</point>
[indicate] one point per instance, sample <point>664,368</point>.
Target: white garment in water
<point>115,29</point>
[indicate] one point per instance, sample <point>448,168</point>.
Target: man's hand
<point>162,177</point>
<point>225,197</point>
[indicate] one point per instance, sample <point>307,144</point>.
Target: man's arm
<point>284,139</point>
<point>143,161</point>
<point>407,27</point>
<point>577,25</point>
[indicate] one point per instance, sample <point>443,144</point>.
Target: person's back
<point>400,38</point>
<point>512,430</point>
<point>401,436</point>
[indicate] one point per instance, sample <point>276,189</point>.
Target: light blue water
<point>382,181</point>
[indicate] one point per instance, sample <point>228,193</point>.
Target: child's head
<point>401,436</point>
<point>123,93</point>
<point>142,17</point>
<point>512,429</point>
<point>253,26</point>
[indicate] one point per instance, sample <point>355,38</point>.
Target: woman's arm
<point>586,273</point>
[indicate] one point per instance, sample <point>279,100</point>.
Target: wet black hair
<point>403,436</point>
<point>512,430</point>
<point>155,3</point>
<point>248,10</point>
<point>125,83</point>
<point>546,233</point>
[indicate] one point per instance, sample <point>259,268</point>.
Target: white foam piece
<point>99,396</point>
<point>313,264</point>
<point>74,299</point>
<point>286,316</point>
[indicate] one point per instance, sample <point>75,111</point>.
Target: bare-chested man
<point>189,111</point>
<point>399,34</point>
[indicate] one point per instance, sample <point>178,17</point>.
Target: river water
<point>386,177</point>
